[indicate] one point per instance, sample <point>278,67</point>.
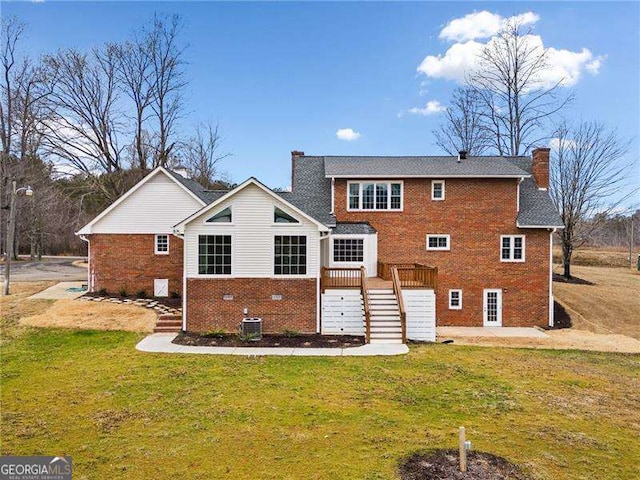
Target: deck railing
<point>397,290</point>
<point>340,278</point>
<point>411,275</point>
<point>365,299</point>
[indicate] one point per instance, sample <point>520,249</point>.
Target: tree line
<point>81,127</point>
<point>507,106</point>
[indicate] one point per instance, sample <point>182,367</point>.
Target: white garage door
<point>342,312</point>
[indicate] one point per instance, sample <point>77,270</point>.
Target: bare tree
<point>84,122</point>
<point>586,171</point>
<point>201,154</point>
<point>463,127</point>
<point>511,82</point>
<point>166,82</point>
<point>133,68</point>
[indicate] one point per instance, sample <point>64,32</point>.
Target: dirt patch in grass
<point>443,465</point>
<point>610,305</point>
<point>269,340</point>
<point>93,316</point>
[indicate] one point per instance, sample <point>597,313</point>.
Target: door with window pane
<point>492,308</point>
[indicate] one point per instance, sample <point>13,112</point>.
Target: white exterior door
<point>492,307</point>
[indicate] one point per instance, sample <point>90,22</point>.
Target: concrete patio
<point>161,343</point>
<point>491,332</point>
<point>60,291</point>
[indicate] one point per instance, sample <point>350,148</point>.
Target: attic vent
<point>462,155</point>
<point>251,328</point>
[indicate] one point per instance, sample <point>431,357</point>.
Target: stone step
<point>169,323</point>
<point>162,329</point>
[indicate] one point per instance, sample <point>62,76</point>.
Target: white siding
<point>253,231</point>
<point>420,306</point>
<point>342,312</point>
<point>155,207</point>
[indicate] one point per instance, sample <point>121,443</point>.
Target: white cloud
<point>462,57</point>
<point>348,134</point>
<point>482,24</point>
<point>432,107</point>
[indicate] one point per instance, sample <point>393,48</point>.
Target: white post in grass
<point>463,450</point>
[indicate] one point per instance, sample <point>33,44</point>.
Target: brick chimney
<point>294,154</point>
<point>540,167</point>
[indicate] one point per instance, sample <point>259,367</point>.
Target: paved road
<point>50,268</point>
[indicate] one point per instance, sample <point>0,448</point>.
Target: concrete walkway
<point>161,343</point>
<point>502,332</point>
<point>59,291</point>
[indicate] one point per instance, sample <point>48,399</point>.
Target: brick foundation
<point>207,310</point>
<point>475,213</point>
<point>129,262</point>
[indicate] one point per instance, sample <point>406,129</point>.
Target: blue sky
<point>285,76</point>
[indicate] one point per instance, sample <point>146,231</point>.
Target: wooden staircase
<point>168,323</point>
<point>384,315</point>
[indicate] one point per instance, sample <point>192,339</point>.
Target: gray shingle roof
<point>536,207</point>
<point>193,186</point>
<point>444,166</point>
<point>311,190</point>
<point>344,228</point>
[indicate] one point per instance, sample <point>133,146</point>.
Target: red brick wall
<point>129,262</point>
<point>206,309</point>
<point>475,213</point>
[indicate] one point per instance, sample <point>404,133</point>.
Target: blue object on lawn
<point>76,289</point>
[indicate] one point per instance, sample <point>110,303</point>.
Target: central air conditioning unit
<point>251,328</point>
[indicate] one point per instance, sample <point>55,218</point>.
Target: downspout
<point>333,194</point>
<point>184,280</point>
<point>518,195</point>
<point>89,282</point>
<point>318,292</point>
<point>551,310</point>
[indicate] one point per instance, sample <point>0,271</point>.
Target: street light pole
<point>11,230</point>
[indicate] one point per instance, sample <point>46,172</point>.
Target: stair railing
<point>365,299</point>
<point>397,290</point>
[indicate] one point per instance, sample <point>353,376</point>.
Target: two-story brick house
<point>386,247</point>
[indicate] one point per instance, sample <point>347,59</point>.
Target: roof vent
<point>181,170</point>
<point>462,155</point>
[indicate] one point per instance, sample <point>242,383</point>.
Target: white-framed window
<point>214,254</point>
<point>162,244</point>
<point>512,248</point>
<point>374,196</point>
<point>290,255</point>
<point>438,242</point>
<point>455,299</point>
<point>348,250</point>
<point>280,217</point>
<point>223,216</point>
<point>437,189</point>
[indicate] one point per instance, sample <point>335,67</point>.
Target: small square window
<point>437,190</point>
<point>455,299</point>
<point>162,245</point>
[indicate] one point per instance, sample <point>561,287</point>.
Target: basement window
<point>162,244</point>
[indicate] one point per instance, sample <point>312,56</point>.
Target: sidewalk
<point>161,343</point>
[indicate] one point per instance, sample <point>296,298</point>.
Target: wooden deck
<point>377,282</point>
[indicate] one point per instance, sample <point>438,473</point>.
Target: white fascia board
<point>86,230</point>
<point>434,176</point>
<point>539,226</point>
<point>179,227</point>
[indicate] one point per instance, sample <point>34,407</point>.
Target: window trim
<point>220,224</point>
<point>273,257</point>
<point>511,258</point>
<point>438,235</point>
<point>233,256</point>
<point>459,306</point>
<point>433,197</point>
<point>375,182</point>
<point>333,238</point>
<point>155,244</point>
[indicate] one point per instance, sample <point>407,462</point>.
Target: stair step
<point>385,340</point>
<point>385,318</point>
<point>385,323</point>
<point>387,330</point>
<point>166,329</point>
<point>381,290</point>
<point>379,335</point>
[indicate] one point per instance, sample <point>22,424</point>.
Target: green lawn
<point>124,414</point>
